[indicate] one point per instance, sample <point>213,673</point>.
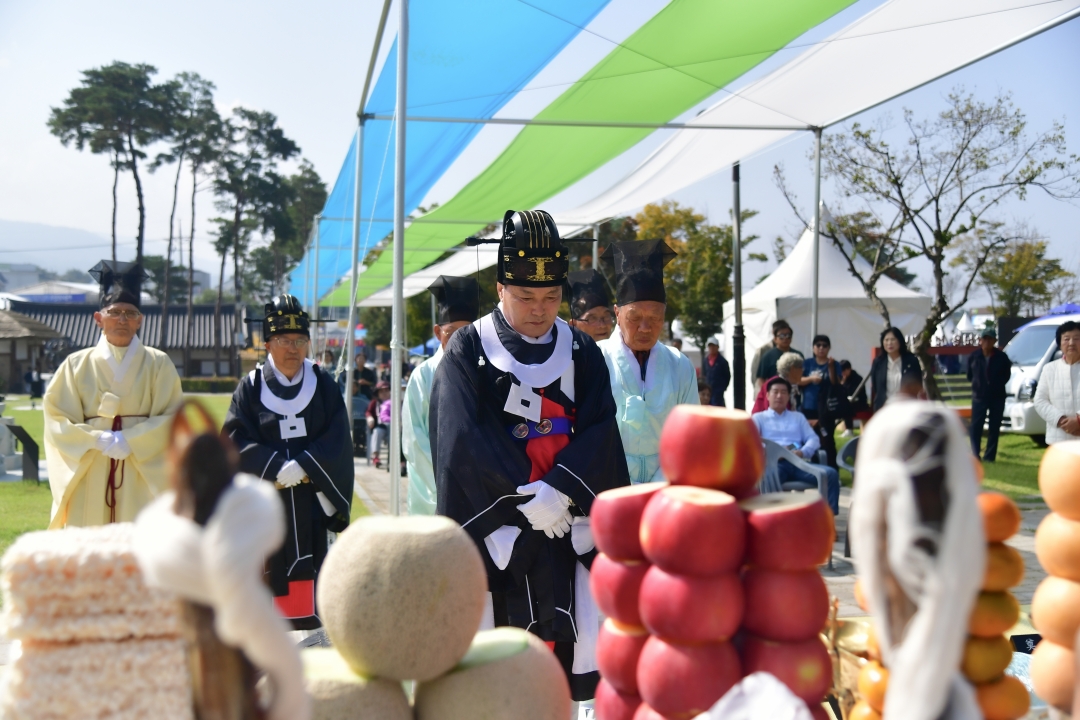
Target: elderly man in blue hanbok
<point>648,378</point>
<point>458,300</point>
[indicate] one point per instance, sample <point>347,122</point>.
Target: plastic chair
<point>846,459</point>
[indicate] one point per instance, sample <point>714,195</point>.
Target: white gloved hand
<point>104,440</point>
<point>548,510</point>
<point>119,449</point>
<point>581,535</point>
<point>290,474</point>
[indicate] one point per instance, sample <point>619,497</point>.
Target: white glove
<point>548,510</point>
<point>581,535</point>
<point>119,449</point>
<point>104,440</point>
<point>290,474</point>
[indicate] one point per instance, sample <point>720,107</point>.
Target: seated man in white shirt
<point>791,429</point>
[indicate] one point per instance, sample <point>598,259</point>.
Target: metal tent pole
<point>350,331</point>
<point>398,323</point>
<point>817,233</point>
<point>434,317</point>
<point>738,339</point>
<point>596,246</point>
<point>315,291</point>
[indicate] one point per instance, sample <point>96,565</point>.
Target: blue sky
<point>305,62</point>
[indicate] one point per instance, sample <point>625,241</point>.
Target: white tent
<point>845,314</point>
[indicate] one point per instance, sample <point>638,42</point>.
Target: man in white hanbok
<point>648,378</point>
<point>458,300</point>
<point>108,413</point>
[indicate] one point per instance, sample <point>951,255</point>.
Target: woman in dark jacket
<point>893,364</point>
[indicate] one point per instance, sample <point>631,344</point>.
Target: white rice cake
<point>81,584</point>
<point>127,680</point>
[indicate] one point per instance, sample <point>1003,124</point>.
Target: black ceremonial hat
<point>588,290</point>
<point>531,254</point>
<point>120,282</point>
<point>457,297</point>
<point>639,267</point>
<point>284,314</point>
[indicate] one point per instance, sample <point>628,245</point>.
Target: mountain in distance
<point>55,248</point>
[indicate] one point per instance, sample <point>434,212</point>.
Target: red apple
<point>644,712</point>
<point>711,447</point>
<point>617,652</point>
<point>682,681</point>
<point>787,531</point>
<point>614,705</point>
<point>615,587</point>
<point>804,666</point>
<point>615,520</point>
<point>787,605</point>
<point>693,531</point>
<point>818,712</point>
<point>688,609</point>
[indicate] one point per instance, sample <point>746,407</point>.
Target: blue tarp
<point>427,349</point>
<point>448,76</point>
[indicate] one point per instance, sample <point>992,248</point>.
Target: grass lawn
<point>24,506</point>
<point>1015,473</point>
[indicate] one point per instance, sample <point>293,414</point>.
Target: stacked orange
<point>709,567</point>
<point>1055,607</point>
<point>987,651</point>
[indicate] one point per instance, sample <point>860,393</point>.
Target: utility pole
<point>738,360</point>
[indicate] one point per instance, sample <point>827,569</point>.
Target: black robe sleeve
<point>325,453</point>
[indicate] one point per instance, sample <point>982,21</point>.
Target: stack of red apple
<point>668,577</point>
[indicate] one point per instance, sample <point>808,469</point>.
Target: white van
<point>1030,349</point>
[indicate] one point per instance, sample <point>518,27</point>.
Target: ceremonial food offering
<point>614,705</point>
<point>681,681</point>
<point>785,605</point>
<point>688,609</point>
<point>616,517</point>
<point>507,673</point>
<point>401,597</point>
<point>711,447</point>
<point>1059,478</point>
<point>617,651</point>
<point>337,693</point>
<point>787,531</point>
<point>805,667</point>
<point>616,587</point>
<point>693,531</point>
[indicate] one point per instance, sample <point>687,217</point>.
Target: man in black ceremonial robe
<point>288,420</point>
<point>523,438</point>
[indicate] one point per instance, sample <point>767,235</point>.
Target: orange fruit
<point>1004,567</point>
<point>1001,516</point>
<point>1003,699</point>
<point>1053,672</point>
<point>862,711</point>
<point>993,614</point>
<point>872,648</point>
<point>1057,545</point>
<point>1055,610</point>
<point>1059,478</point>
<point>860,597</point>
<point>986,658</point>
<point>873,683</point>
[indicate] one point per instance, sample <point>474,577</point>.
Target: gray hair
<point>786,362</point>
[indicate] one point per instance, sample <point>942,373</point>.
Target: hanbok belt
<point>530,430</point>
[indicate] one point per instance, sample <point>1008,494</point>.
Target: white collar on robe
<point>533,376</point>
<point>632,361</point>
<point>119,369</point>
<point>280,375</point>
<point>289,408</point>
